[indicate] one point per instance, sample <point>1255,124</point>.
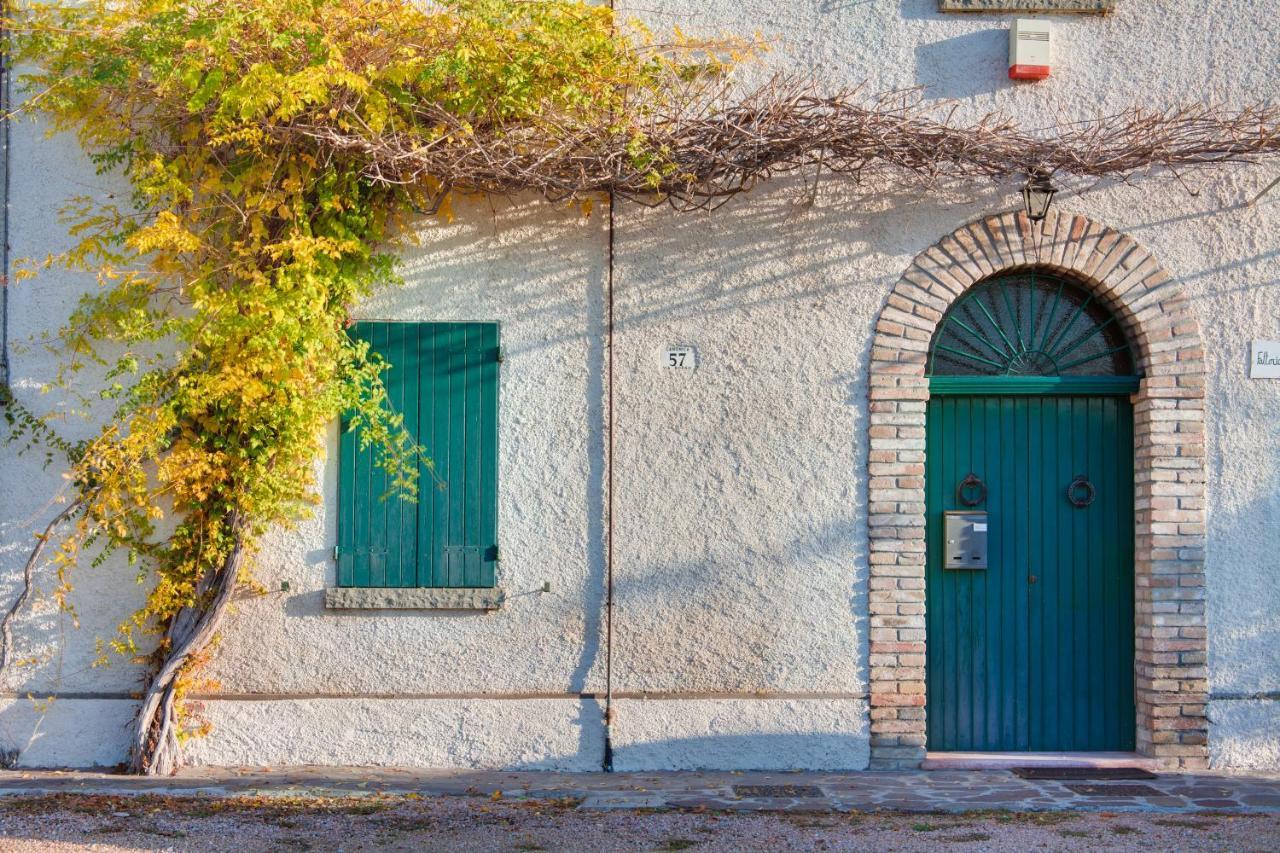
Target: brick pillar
<point>896,527</point>
<point>1171,671</point>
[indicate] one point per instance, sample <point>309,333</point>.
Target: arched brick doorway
<point>1169,474</point>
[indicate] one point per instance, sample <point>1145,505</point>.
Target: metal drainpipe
<point>608,591</point>
<point>608,606</point>
<point>5,101</point>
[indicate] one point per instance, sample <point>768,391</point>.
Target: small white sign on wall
<point>681,357</point>
<point>1264,360</point>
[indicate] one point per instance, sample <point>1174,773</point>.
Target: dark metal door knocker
<point>1078,500</point>
<point>968,486</point>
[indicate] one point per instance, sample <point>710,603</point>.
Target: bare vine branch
<point>715,147</point>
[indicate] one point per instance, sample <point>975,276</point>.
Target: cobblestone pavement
<point>61,823</point>
<point>910,791</point>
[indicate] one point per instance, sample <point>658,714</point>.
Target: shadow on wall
<point>758,751</point>
<point>1243,620</point>
<point>787,222</point>
<point>737,606</point>
<point>964,66</point>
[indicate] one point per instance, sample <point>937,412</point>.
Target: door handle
<point>1032,578</point>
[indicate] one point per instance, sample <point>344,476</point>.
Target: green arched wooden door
<point>1029,422</point>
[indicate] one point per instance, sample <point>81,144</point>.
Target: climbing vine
<point>217,335</point>
<point>276,152</point>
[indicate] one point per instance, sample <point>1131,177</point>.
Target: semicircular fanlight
<point>1029,324</point>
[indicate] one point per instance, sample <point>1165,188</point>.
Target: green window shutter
<point>444,380</point>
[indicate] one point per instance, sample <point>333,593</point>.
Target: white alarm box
<point>1030,44</point>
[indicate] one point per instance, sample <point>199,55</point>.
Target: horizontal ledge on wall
<point>1078,7</point>
<point>413,598</point>
<point>1047,385</point>
<point>522,697</point>
<point>673,696</point>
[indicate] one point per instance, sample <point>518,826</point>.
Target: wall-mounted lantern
<point>1037,195</point>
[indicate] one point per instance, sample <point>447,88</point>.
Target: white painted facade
<point>739,527</point>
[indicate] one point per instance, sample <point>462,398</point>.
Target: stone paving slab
<point>904,791</point>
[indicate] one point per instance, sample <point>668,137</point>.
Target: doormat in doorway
<point>1098,773</point>
<point>1115,790</point>
<point>777,791</point>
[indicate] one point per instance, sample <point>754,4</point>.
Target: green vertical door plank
<point>1124,648</point>
<point>1108,533</point>
<point>439,416</point>
<point>362,510</point>
<point>993,584</point>
<point>1080,662</point>
<point>964,598</point>
<point>949,582</point>
<point>1115,578</point>
<point>984,588</point>
<point>393,504</point>
<point>378,498</point>
<point>1021,519</point>
<point>423,512</point>
<point>1039,448</point>
<point>933,540</point>
<point>1020,469</point>
<point>1097,566</point>
<point>955,455</point>
<point>1060,606</point>
<point>472,454</point>
<point>456,447</point>
<point>489,379</point>
<point>936,671</point>
<point>440,430</point>
<point>346,503</point>
<point>407,568</point>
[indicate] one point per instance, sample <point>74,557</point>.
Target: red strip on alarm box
<point>1028,72</point>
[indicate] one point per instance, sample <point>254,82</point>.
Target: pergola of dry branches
<point>715,147</point>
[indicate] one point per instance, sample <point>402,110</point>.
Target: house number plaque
<point>681,358</point>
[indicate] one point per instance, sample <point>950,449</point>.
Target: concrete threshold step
<point>1009,760</point>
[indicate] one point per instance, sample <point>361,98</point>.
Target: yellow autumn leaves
<point>228,278</point>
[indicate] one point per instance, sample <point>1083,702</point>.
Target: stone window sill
<point>413,598</point>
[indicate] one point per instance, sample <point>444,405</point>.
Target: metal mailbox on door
<point>966,535</point>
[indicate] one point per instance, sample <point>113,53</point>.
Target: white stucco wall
<point>739,523</point>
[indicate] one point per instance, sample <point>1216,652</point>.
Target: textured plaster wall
<point>528,734</point>
<point>740,563</point>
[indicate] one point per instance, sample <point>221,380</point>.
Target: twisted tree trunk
<point>155,750</point>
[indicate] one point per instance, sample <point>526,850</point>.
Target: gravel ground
<point>77,822</point>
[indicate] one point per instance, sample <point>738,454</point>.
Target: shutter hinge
<point>501,355</point>
<point>335,552</point>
